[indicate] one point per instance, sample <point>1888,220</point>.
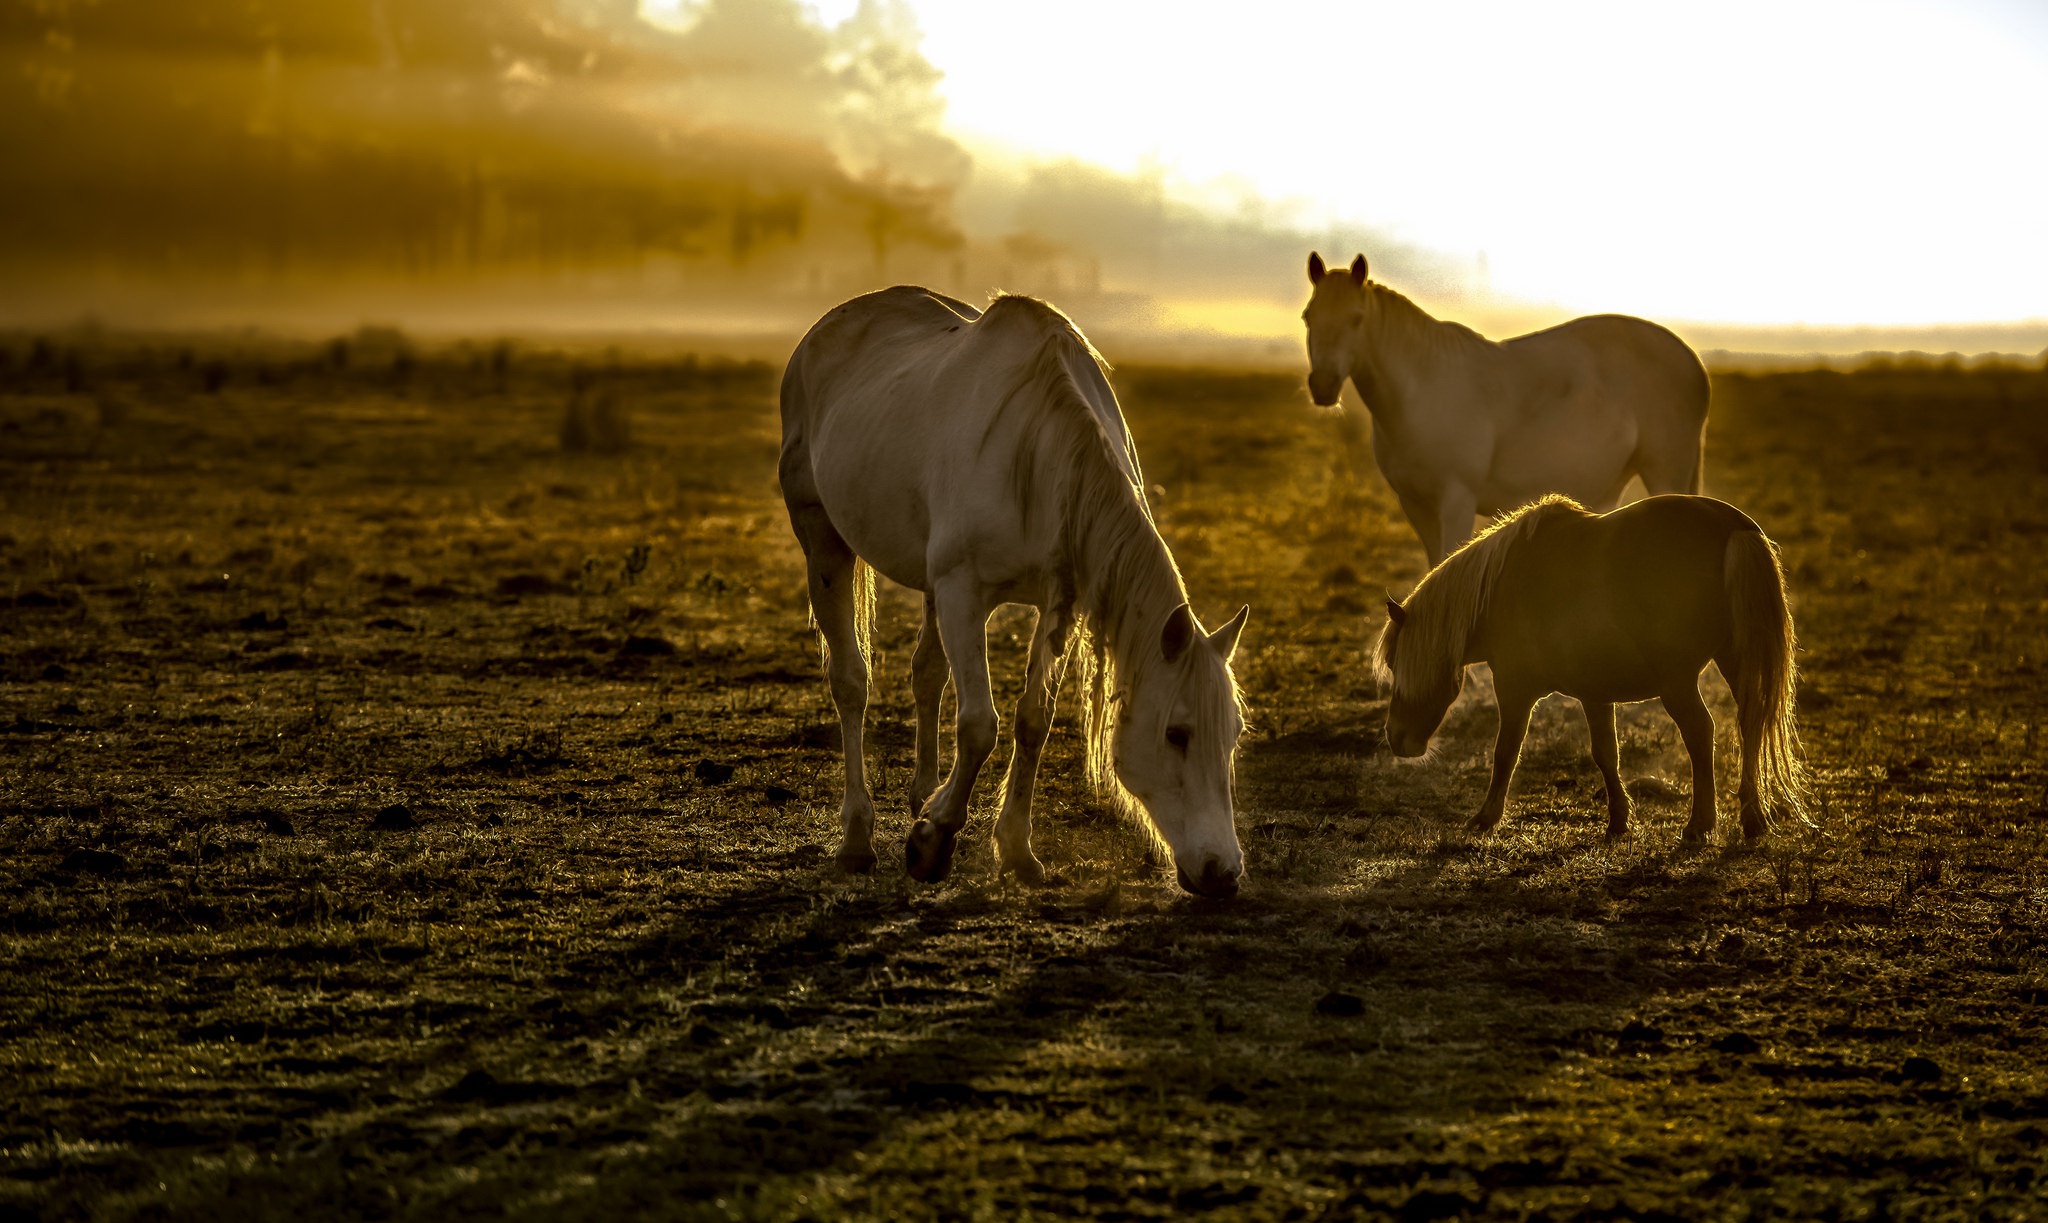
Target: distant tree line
<point>281,138</point>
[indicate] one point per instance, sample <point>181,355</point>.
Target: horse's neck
<point>1401,349</point>
<point>1145,608</point>
<point>1127,578</point>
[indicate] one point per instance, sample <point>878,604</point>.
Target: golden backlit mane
<point>1418,327</point>
<point>1122,579</point>
<point>1430,640</point>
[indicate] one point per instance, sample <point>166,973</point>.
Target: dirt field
<point>401,816</point>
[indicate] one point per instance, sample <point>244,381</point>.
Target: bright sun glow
<point>1756,160</point>
<point>679,13</point>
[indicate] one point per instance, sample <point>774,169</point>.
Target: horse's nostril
<point>1214,882</point>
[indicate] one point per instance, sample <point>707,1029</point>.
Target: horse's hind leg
<point>927,684</point>
<point>1042,676</point>
<point>963,628</point>
<point>1606,754</point>
<point>1749,721</point>
<point>1456,511</point>
<point>1696,727</point>
<point>1514,705</point>
<point>831,566</point>
<point>1673,462</point>
<point>1421,514</point>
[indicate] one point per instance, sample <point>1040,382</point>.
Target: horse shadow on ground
<point>1382,982</point>
<point>1350,1047</point>
<point>800,1029</point>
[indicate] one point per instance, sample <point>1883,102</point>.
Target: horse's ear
<point>1358,270</point>
<point>1395,612</point>
<point>1179,632</point>
<point>1225,638</point>
<point>1316,270</point>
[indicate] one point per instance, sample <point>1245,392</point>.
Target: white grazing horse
<point>980,457</point>
<point>1463,425</point>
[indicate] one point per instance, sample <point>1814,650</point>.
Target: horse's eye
<point>1178,737</point>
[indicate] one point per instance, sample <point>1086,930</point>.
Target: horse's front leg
<point>1514,704</point>
<point>927,684</point>
<point>963,631</point>
<point>1042,675</point>
<point>1606,754</point>
<point>1696,727</point>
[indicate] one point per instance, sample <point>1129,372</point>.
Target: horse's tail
<point>863,617</point>
<point>1765,674</point>
<point>864,609</point>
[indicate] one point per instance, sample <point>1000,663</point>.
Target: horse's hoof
<point>856,861</point>
<point>1695,838</point>
<point>928,852</point>
<point>1480,826</point>
<point>1029,871</point>
<point>1616,832</point>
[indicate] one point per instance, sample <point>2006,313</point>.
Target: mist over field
<point>558,165</point>
<point>574,165</point>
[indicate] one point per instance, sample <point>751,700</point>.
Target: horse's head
<point>1336,313</point>
<point>1175,746</point>
<point>1423,687</point>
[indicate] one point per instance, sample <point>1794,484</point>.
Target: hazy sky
<point>1758,161</point>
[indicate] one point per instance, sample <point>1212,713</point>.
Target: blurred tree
<point>273,139</point>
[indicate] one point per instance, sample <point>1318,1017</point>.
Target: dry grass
<point>608,969</point>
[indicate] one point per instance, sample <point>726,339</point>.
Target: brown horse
<point>1622,606</point>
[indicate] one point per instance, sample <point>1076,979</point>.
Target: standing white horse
<point>1463,425</point>
<point>980,457</point>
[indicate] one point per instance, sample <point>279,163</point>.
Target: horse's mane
<point>1418,328</point>
<point>1449,602</point>
<point>1111,549</point>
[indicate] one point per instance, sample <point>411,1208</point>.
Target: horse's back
<point>864,335</point>
<point>1633,361</point>
<point>1659,544</point>
<point>920,351</point>
<point>1610,606</point>
<point>915,421</point>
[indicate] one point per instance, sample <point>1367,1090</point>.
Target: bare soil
<point>404,816</point>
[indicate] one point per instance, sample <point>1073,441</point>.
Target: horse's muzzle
<point>1214,882</point>
<point>1407,747</point>
<point>1325,396</point>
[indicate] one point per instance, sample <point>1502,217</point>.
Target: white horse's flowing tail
<point>864,609</point>
<point>863,617</point>
<point>1766,674</point>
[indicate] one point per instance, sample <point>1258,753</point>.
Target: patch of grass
<point>609,970</point>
